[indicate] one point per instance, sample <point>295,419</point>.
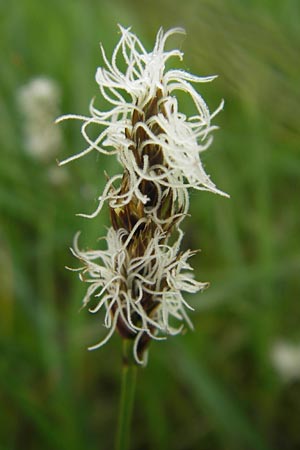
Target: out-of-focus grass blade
<point>240,279</point>
<point>152,395</point>
<point>19,396</point>
<point>213,399</point>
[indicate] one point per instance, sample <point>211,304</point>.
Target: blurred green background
<point>219,387</point>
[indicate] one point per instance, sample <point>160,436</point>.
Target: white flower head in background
<point>39,104</point>
<point>139,279</point>
<point>285,357</point>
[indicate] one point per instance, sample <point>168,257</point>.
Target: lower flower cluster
<point>141,292</point>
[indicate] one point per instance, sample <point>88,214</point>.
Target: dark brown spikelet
<point>127,216</point>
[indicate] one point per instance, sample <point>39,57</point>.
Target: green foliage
<point>215,388</point>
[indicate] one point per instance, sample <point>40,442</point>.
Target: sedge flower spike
<point>138,280</point>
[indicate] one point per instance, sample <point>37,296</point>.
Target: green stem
<point>129,371</point>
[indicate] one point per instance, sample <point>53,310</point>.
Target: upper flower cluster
<point>139,279</point>
<point>144,112</point>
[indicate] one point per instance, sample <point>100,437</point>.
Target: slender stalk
<point>128,382</point>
